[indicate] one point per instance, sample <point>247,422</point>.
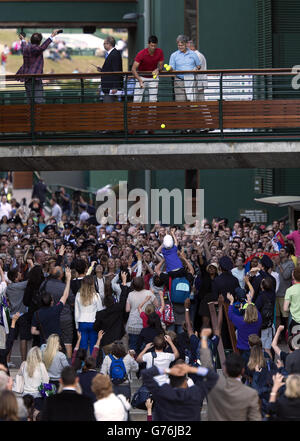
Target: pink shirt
<point>295,237</point>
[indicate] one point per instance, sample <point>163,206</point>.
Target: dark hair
<point>28,401</point>
<point>159,342</point>
<point>156,281</point>
<point>12,274</point>
<point>36,38</point>
<point>68,375</point>
<point>80,266</point>
<point>111,40</point>
<point>35,278</point>
<point>267,284</point>
<point>80,358</point>
<point>124,269</point>
<point>153,39</point>
<point>138,283</point>
<point>176,381</point>
<point>108,301</point>
<point>118,349</point>
<point>234,365</point>
<point>46,299</point>
<point>89,363</point>
<point>154,322</point>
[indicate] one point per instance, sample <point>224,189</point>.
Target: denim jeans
<point>88,335</point>
<point>176,328</point>
<point>133,338</point>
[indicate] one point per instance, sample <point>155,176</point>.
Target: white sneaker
<point>11,365</point>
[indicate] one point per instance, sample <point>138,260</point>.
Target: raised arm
<point>143,303</point>
<point>173,347</point>
<point>139,358</point>
<point>275,346</point>
<point>187,304</point>
<point>65,295</point>
<point>162,302</point>
<point>251,289</point>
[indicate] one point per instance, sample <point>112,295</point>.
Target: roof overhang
<point>281,201</point>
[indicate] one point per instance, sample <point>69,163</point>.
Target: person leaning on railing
<point>180,60</point>
<point>150,59</point>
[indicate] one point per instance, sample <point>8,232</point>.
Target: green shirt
<point>292,294</point>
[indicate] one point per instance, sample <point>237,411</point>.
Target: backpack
<point>180,290</point>
<point>117,370</point>
<point>267,314</point>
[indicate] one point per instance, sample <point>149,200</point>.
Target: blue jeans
<point>132,341</point>
<point>88,335</point>
<point>176,328</point>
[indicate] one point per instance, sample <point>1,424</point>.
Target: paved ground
<point>136,414</point>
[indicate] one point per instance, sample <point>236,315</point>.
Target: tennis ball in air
<point>162,126</point>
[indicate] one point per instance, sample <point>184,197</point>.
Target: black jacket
<point>113,63</point>
<point>68,406</point>
<point>178,404</point>
<point>285,409</point>
<point>111,320</point>
<point>223,284</point>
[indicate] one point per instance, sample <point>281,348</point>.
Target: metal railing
<point>203,105</point>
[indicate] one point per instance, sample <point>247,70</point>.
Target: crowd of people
<point>93,306</point>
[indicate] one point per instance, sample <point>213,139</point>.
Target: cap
<point>68,226</point>
<point>214,264</point>
<point>101,246</point>
<point>48,228</point>
<point>78,232</point>
<point>168,241</point>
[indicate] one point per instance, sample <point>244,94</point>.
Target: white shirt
<point>111,408</point>
<point>56,212</point>
<point>100,284</point>
<point>31,384</point>
<point>5,209</point>
<point>87,314</point>
<point>161,361</point>
<point>277,278</point>
<point>239,274</point>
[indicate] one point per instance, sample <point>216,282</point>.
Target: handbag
<point>18,384</point>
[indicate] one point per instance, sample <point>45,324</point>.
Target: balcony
<point>238,105</point>
<point>244,119</point>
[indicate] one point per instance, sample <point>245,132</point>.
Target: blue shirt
<point>184,61</point>
<point>173,262</point>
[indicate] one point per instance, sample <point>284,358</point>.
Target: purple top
<point>171,257</point>
<point>244,329</point>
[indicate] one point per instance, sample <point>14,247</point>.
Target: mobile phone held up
<point>60,31</point>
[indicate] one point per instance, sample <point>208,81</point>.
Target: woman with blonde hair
<point>286,407</point>
<point>87,303</point>
<point>53,358</point>
<point>34,372</point>
<point>108,407</point>
<point>249,323</point>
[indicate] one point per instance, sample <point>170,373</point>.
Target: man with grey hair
<point>110,84</point>
<point>201,79</point>
<point>184,59</point>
